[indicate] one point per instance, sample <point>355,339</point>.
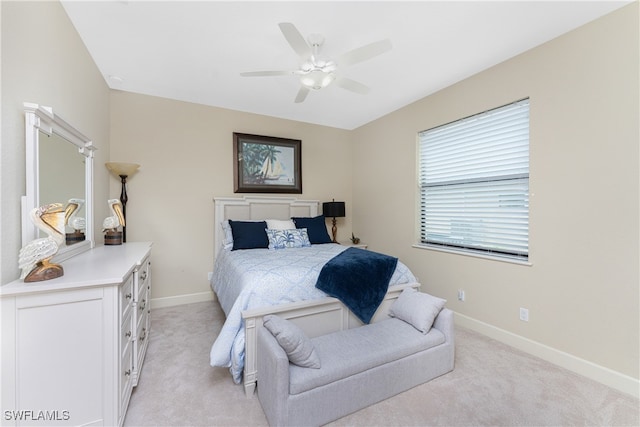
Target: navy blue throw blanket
<point>359,278</point>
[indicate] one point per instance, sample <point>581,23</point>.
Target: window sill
<point>473,254</point>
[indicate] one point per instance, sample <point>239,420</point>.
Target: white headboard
<point>257,208</point>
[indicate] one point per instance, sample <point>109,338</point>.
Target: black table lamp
<point>123,171</point>
<point>333,210</point>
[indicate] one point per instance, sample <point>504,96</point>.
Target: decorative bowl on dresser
<point>73,347</point>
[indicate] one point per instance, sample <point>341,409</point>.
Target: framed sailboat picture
<point>266,164</point>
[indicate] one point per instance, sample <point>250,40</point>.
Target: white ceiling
<point>194,51</point>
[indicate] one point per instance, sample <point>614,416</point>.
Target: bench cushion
<point>417,309</point>
<point>293,341</point>
<point>352,351</point>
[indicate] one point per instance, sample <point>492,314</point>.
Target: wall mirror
<point>59,169</point>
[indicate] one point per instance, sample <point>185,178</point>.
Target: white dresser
<point>73,347</point>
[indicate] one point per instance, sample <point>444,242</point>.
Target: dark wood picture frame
<point>266,164</point>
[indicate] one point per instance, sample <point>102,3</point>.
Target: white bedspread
<point>247,279</point>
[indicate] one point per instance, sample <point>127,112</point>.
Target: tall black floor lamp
<point>123,171</point>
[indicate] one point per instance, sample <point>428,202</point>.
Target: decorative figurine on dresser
<point>111,223</point>
<point>34,258</point>
<point>78,223</point>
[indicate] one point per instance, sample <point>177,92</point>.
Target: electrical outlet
<point>524,314</point>
<point>460,295</point>
<point>210,275</point>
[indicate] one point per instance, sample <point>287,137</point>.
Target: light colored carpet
<point>492,385</point>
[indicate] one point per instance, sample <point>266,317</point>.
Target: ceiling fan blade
<point>365,52</point>
<point>265,73</point>
<point>352,85</point>
<point>295,39</point>
<point>302,94</point>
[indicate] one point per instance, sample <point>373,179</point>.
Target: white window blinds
<point>474,183</point>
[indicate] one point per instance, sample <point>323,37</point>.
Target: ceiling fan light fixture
<point>317,79</point>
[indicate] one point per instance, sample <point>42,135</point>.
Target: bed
<point>252,283</point>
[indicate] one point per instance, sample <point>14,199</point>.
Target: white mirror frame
<point>41,119</point>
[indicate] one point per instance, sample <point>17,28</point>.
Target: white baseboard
<point>182,299</point>
<point>606,376</point>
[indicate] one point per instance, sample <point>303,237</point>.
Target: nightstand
<point>355,245</point>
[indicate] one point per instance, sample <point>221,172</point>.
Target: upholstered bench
<point>314,381</point>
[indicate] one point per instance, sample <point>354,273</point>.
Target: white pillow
<point>227,240</point>
<point>417,309</point>
<point>278,224</point>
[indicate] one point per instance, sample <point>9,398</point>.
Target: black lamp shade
<point>333,209</point>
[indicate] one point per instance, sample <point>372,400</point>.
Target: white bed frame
<point>315,317</point>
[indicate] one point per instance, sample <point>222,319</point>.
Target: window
<point>474,183</point>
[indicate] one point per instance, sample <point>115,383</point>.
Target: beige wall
<point>44,62</point>
<point>582,287</point>
<point>186,155</point>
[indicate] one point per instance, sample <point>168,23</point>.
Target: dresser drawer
<point>142,342</point>
<point>142,285</point>
<point>144,274</point>
<point>142,335</point>
<point>126,378</point>
<point>142,306</point>
<point>141,315</point>
<point>141,332</point>
<point>126,297</point>
<point>126,333</point>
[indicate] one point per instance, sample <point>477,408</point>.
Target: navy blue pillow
<point>249,234</point>
<point>316,228</point>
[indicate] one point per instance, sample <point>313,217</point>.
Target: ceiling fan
<point>316,72</point>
